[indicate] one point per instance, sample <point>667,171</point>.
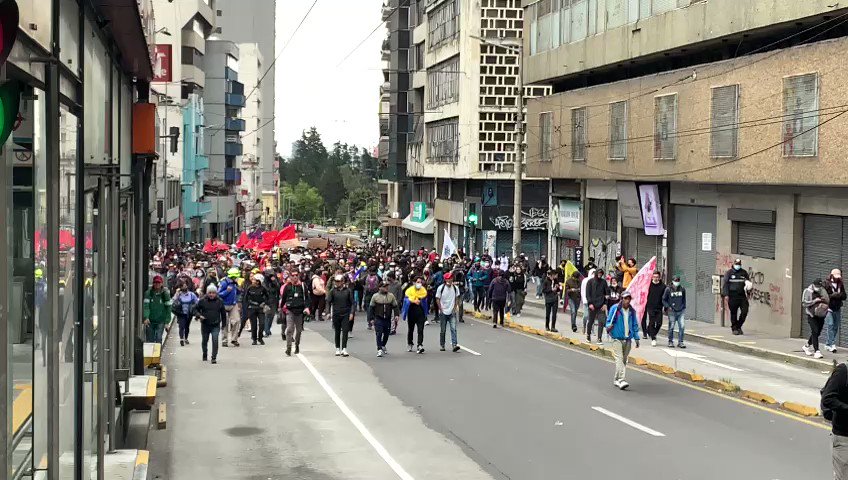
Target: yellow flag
<point>347,244</point>
<point>569,269</point>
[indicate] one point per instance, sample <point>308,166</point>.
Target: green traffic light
<point>10,99</point>
<point>377,232</point>
<point>472,218</point>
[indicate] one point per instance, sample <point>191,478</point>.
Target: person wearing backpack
<point>448,302</point>
<point>834,407</point>
<point>295,301</point>
<point>183,304</point>
<point>372,285</point>
<point>815,301</point>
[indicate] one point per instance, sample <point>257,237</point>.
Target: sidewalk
<point>777,378</point>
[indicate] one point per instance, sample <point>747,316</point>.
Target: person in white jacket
<point>583,297</point>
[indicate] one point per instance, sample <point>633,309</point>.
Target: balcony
<point>230,74</point>
<point>234,100</point>
<point>233,148</point>
<point>232,176</point>
<point>235,124</point>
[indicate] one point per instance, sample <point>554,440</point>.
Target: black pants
<point>655,321</point>
<point>594,315</point>
<point>415,319</point>
<point>318,305</point>
<point>498,310</point>
<point>207,330</point>
<point>550,315</point>
<point>368,314</point>
<point>382,327</point>
<point>479,295</point>
<point>341,321</point>
<point>738,311</point>
<point>253,316</point>
<point>816,325</point>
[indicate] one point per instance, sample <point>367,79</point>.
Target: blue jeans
<point>833,321</point>
<point>382,327</point>
<point>573,307</point>
<point>539,286</point>
<point>446,319</point>
<point>676,318</point>
<point>154,332</point>
<point>207,330</point>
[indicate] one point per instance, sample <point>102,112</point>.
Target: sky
<point>341,101</point>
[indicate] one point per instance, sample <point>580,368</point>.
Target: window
<point>800,116</point>
<point>444,23</point>
<point>724,122</point>
<point>191,56</point>
<point>618,131</point>
<point>546,129</point>
<point>754,239</point>
<point>419,56</point>
<point>443,141</point>
<point>665,127</point>
<point>443,83</point>
<point>232,63</point>
<point>578,133</point>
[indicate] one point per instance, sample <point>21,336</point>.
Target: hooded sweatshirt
<point>655,297</point>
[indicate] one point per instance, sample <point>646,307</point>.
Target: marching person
<point>256,301</point>
<point>572,294</point>
<point>597,291</point>
<point>212,314</point>
<point>815,301</point>
<point>448,301</point>
<point>184,303</point>
<point>156,311</point>
<point>734,289</point>
<point>550,291</point>
<point>497,293</point>
<point>319,295</point>
<point>343,304</point>
<point>518,287</point>
<point>228,292</point>
<point>623,326</point>
<point>384,308</point>
<point>272,285</point>
<point>652,318</point>
<point>295,299</point>
<point>628,269</point>
<point>415,312</point>
<point>674,302</point>
<point>396,289</point>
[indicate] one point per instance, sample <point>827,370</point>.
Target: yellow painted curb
<point>660,368</point>
<point>638,361</point>
<point>163,377</point>
<point>690,376</point>
<point>575,341</point>
<point>720,386</point>
<point>758,397</point>
<point>527,329</point>
<point>607,352</point>
<point>800,409</point>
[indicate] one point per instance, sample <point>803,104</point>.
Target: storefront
<point>450,217</point>
<point>497,224</point>
<point>420,225</point>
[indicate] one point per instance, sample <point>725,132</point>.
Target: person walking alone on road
<point>211,312</point>
<point>295,300</point>
<point>256,301</point>
<point>652,318</point>
<point>734,289</point>
<point>834,407</point>
<point>572,295</point>
<point>184,302</point>
<point>597,291</point>
<point>384,308</point>
<point>497,294</point>
<point>415,308</point>
<point>342,303</point>
<point>448,302</point>
<point>228,293</point>
<point>550,290</point>
<point>674,301</point>
<point>833,320</point>
<point>815,301</point>
<point>157,309</point>
<point>623,326</point>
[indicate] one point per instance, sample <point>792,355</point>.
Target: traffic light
<point>472,218</point>
<point>377,232</point>
<point>10,91</point>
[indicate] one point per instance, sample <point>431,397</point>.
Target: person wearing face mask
<point>550,289</point>
<point>396,289</point>
<point>597,291</point>
<point>674,301</point>
<point>833,320</point>
<point>735,293</point>
<point>652,318</point>
<point>628,270</point>
<point>497,294</point>
<point>478,279</point>
<point>816,303</point>
<point>414,311</point>
<point>383,307</point>
<point>488,278</point>
<point>518,284</point>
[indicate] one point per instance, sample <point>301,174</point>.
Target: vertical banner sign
<point>565,219</point>
<point>419,211</point>
<point>490,195</point>
<point>639,286</point>
<point>651,209</point>
<point>162,56</point>
<point>628,205</point>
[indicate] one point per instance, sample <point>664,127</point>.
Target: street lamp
<point>519,140</point>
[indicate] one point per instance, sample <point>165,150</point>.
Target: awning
<point>427,227</point>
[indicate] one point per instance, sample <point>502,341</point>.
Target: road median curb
<point>758,397</point>
<point>689,376</point>
<point>800,409</point>
<point>721,386</point>
<point>658,367</point>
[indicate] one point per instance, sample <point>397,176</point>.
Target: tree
<point>309,156</point>
<point>306,201</point>
<point>331,186</point>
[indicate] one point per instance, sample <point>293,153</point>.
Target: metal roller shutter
<point>642,246</point>
<point>533,244</point>
<point>755,239</point>
<point>503,243</point>
<point>823,244</point>
<point>705,265</point>
<point>694,265</point>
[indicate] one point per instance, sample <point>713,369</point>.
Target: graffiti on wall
<point>604,250</point>
<point>531,219</point>
<point>765,293</point>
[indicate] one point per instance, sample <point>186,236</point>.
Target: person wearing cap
<point>228,292</point>
<point>448,302</point>
<point>623,327</point>
<point>383,307</point>
<point>256,301</point>
<point>342,303</point>
<point>674,301</point>
<point>157,309</point>
<point>211,312</point>
<point>295,301</point>
<point>735,292</point>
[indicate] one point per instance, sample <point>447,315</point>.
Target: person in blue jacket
<point>674,301</point>
<point>623,326</point>
<point>228,292</point>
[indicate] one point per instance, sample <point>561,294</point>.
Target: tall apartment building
<point>251,68</point>
<point>224,98</point>
<point>697,132</point>
<point>464,104</point>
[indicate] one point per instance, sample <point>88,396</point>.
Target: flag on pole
<point>570,269</point>
<point>242,240</point>
<point>449,248</point>
<point>639,286</point>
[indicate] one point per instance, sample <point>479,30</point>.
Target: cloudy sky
<point>341,101</point>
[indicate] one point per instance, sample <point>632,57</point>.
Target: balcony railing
<point>234,100</point>
<point>235,124</point>
<point>233,148</point>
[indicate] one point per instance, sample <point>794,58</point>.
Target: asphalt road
<point>522,409</point>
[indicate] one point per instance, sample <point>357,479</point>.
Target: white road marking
<point>472,352</point>
<point>699,358</point>
<point>384,454</point>
<point>627,421</point>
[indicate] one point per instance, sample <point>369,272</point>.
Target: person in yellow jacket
<point>415,310</point>
<point>629,269</point>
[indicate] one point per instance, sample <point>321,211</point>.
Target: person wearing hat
<point>341,302</point>
<point>157,309</point>
<point>623,327</point>
<point>228,292</point>
<point>211,312</point>
<point>734,289</point>
<point>256,301</point>
<point>674,301</point>
<point>448,303</point>
<point>295,301</point>
<point>383,307</point>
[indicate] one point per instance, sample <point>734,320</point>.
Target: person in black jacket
<point>210,311</point>
<point>255,301</point>
<point>272,285</point>
<point>834,406</point>
<point>652,318</point>
<point>836,291</point>
<point>341,300</point>
<point>518,285</point>
<point>551,289</point>
<point>294,298</point>
<point>597,291</point>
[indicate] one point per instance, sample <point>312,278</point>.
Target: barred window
<point>665,127</point>
<point>443,83</point>
<point>443,22</point>
<point>800,116</point>
<point>546,130</point>
<point>618,131</point>
<point>724,122</point>
<point>443,141</point>
<point>579,129</point>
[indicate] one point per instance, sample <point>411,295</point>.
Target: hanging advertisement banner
<point>628,205</point>
<point>651,209</point>
<point>565,218</point>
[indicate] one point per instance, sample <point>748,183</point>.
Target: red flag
<point>222,247</point>
<point>208,247</point>
<point>269,239</point>
<point>66,240</point>
<point>639,286</point>
<point>242,240</point>
<point>288,233</point>
<point>251,243</point>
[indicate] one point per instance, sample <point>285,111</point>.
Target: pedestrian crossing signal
<point>377,232</point>
<point>10,91</point>
<point>472,218</point>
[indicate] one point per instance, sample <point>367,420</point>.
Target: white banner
<point>449,248</point>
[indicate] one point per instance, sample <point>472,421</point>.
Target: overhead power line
<point>404,3</point>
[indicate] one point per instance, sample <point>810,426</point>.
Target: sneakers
<point>385,351</point>
<point>494,325</point>
<point>653,343</point>
<point>288,351</point>
<point>442,349</point>
<point>205,358</point>
<point>338,352</point>
<point>261,342</point>
<point>574,329</point>
<point>214,361</point>
<point>426,322</point>
<point>420,349</point>
<point>623,385</point>
<point>455,348</point>
<point>236,344</point>
<point>224,344</point>
<point>186,341</point>
<point>254,342</point>
<point>600,342</point>
<point>818,354</point>
<point>616,383</point>
<point>379,352</point>
<point>670,344</point>
<point>409,348</point>
<point>182,342</point>
<point>554,330</point>
<point>808,350</point>
<point>831,348</point>
<point>296,349</point>
<point>680,345</point>
<point>344,353</point>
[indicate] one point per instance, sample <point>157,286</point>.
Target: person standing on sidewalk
<point>597,291</point>
<point>572,295</point>
<point>518,290</point>
<point>415,308</point>
<point>623,326</point>
<point>228,292</point>
<point>384,307</point>
<point>815,301</point>
<point>497,294</point>
<point>652,318</point>
<point>157,309</point>
<point>674,301</point>
<point>550,290</point>
<point>833,320</point>
<point>448,301</point>
<point>343,305</point>
<point>295,299</point>
<point>212,314</point>
<point>540,272</point>
<point>735,293</point>
<point>834,407</point>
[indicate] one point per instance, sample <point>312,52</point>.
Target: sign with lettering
<point>565,218</point>
<point>419,211</point>
<point>500,218</point>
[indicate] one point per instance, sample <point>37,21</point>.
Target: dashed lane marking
<point>627,421</point>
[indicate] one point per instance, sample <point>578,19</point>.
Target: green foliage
<point>306,201</point>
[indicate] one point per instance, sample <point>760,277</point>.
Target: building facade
<point>250,191</point>
<point>702,134</point>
